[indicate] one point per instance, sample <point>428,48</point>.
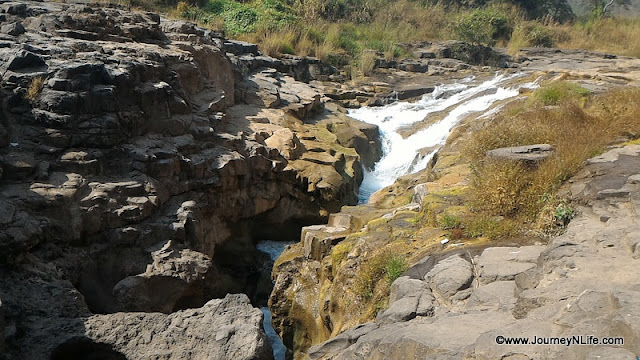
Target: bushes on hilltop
<point>339,30</point>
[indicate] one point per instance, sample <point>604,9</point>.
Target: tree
<point>558,10</point>
<point>599,8</point>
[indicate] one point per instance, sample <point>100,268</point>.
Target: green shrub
<point>383,265</point>
<point>531,35</point>
<point>563,214</point>
<point>216,7</point>
<point>240,20</point>
<point>394,268</point>
<point>448,221</point>
<point>556,92</point>
<point>483,26</point>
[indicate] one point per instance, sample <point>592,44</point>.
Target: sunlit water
<point>402,156</point>
<point>273,249</point>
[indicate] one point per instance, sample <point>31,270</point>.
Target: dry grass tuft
<point>36,86</point>
<point>616,35</point>
<point>577,132</point>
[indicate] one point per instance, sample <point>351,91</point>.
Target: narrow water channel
<point>411,153</point>
<point>273,249</point>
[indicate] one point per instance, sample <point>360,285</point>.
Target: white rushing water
<point>273,249</point>
<point>403,156</point>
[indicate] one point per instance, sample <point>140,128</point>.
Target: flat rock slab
<point>504,263</point>
<point>528,153</point>
<point>448,336</point>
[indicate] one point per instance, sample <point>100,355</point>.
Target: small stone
<point>634,179</point>
<point>612,193</point>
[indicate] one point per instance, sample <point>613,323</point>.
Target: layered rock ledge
<point>140,161</point>
<point>582,283</point>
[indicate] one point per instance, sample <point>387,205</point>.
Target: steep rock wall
<point>140,160</point>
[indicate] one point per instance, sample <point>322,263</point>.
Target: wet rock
<point>413,90</point>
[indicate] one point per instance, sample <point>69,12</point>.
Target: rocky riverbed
<point>459,294</point>
<point>142,160</point>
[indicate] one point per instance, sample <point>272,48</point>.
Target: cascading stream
<point>402,155</point>
<point>273,249</point>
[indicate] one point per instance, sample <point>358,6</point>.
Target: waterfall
<point>403,155</point>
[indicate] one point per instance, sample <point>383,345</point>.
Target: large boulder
<point>175,279</point>
<point>450,276</point>
<point>228,328</point>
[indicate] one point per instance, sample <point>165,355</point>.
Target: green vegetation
<point>394,268</point>
<point>483,26</point>
<point>382,265</point>
<point>563,214</point>
<point>559,91</point>
<point>448,221</point>
<point>339,31</point>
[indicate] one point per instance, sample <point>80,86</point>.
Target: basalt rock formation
<point>583,283</point>
<point>461,294</point>
<point>140,161</point>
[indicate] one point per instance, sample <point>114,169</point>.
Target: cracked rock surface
<point>140,161</point>
<point>584,282</point>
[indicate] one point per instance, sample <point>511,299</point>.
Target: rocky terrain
<point>140,161</point>
<point>583,282</point>
<point>459,296</point>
